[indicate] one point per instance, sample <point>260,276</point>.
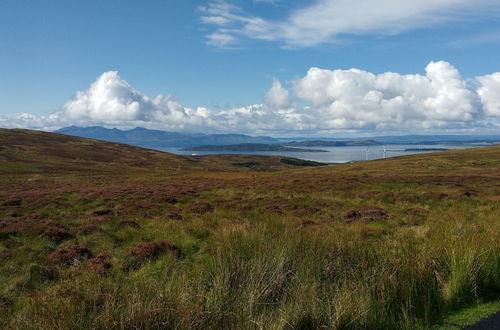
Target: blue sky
<point>217,59</point>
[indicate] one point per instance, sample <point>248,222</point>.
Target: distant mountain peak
<point>144,137</point>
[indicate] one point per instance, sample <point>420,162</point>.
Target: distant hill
<point>396,139</point>
<point>149,138</point>
<point>438,139</point>
<point>157,139</point>
<point>323,143</point>
<point>249,147</point>
<point>29,151</point>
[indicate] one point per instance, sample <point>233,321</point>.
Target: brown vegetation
<point>200,208</point>
<point>100,263</point>
<point>73,255</point>
<point>152,250</point>
<point>56,234</point>
<point>306,211</point>
<point>174,216</point>
<point>101,213</point>
<point>365,214</point>
<point>87,229</point>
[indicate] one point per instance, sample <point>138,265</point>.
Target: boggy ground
<point>141,239</point>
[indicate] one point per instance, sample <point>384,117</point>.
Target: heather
<point>142,239</point>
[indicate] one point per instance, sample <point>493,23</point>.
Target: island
<point>249,147</point>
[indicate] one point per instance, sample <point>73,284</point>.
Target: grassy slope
<point>261,249</point>
<point>28,152</point>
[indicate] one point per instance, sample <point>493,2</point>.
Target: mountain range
<point>149,138</point>
<point>157,139</point>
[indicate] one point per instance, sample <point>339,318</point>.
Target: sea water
<point>336,154</point>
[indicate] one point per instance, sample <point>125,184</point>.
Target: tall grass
<point>273,275</point>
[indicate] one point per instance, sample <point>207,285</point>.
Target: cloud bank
<point>321,102</point>
<point>324,20</point>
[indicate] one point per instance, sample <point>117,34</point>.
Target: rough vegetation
<point>102,235</point>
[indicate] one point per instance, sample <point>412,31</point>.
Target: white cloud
<point>110,99</point>
<point>359,99</point>
<point>324,20</point>
<point>490,93</point>
<point>277,96</point>
<point>217,20</point>
<point>321,102</point>
<point>220,40</point>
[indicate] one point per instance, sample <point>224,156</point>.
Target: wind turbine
<point>385,152</point>
<point>366,153</point>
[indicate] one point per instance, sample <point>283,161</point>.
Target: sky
<point>267,67</point>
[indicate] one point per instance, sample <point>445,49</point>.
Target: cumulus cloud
<point>321,102</point>
<point>277,96</point>
<point>324,20</point>
<point>110,99</point>
<point>359,99</point>
<point>490,93</point>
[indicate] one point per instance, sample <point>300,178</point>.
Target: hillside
<point>103,235</point>
<point>27,151</point>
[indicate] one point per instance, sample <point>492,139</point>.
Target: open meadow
<point>97,235</point>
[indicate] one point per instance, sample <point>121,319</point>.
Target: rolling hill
<point>104,235</point>
<point>27,151</point>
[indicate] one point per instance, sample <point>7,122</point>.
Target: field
<point>108,236</point>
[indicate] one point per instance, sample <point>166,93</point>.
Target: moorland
<point>100,235</point>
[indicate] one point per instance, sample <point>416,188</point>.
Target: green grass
<point>469,316</point>
<point>272,251</point>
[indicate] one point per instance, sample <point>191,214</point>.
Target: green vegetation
<point>469,316</point>
<point>300,162</point>
<point>102,235</point>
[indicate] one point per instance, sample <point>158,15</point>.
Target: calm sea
<point>335,154</point>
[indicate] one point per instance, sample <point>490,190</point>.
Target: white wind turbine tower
<point>366,153</point>
<point>385,152</point>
